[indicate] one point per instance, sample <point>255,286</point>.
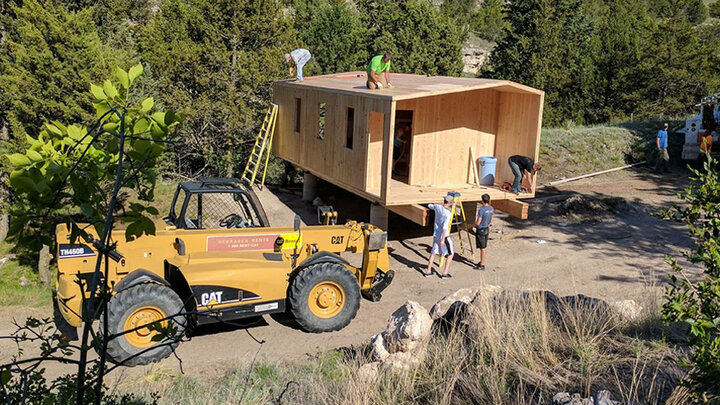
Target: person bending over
<point>523,168</point>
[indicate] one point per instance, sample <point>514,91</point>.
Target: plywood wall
<point>444,129</point>
<point>376,124</point>
<point>518,132</point>
<point>329,157</point>
<point>496,122</point>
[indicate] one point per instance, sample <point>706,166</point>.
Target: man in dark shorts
<point>520,165</point>
<point>482,229</point>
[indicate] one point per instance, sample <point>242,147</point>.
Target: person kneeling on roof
<point>378,72</point>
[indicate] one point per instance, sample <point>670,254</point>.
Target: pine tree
<point>676,69</point>
<point>47,60</point>
<point>696,11</point>
<point>420,38</point>
<point>332,31</point>
<point>217,61</point>
<point>621,32</point>
<point>489,20</point>
<point>546,46</point>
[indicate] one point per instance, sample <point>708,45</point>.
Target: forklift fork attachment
<point>374,294</point>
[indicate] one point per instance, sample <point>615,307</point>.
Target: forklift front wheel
<point>132,318</point>
<point>324,297</point>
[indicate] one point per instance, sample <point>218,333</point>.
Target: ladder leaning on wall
<point>263,144</point>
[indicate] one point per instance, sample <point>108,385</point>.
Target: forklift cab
<point>215,203</point>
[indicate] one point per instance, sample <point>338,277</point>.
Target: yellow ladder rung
<point>261,147</point>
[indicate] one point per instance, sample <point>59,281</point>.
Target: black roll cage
<point>215,185</point>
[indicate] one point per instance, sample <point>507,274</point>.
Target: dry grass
<point>513,349</point>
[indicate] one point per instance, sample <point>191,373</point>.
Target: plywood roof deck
<point>405,86</point>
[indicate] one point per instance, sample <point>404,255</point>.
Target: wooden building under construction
<point>338,130</point>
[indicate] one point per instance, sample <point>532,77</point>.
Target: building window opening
<point>298,114</point>
<point>322,112</point>
<point>349,129</point>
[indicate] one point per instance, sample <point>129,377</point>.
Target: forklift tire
<point>137,306</point>
<point>324,297</point>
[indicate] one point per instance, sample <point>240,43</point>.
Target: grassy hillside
<point>574,151</point>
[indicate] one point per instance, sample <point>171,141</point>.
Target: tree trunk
<point>4,226</point>
<point>44,266</point>
<point>4,191</point>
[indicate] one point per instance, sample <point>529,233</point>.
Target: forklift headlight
<point>377,240</point>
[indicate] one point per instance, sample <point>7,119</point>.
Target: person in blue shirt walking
<point>482,229</point>
<point>442,244</point>
<point>661,165</point>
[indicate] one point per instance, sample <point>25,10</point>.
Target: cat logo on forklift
<point>211,298</point>
<point>336,240</point>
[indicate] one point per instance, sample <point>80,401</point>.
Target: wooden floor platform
<point>402,193</point>
<point>408,201</point>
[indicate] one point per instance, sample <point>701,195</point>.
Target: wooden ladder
<point>263,144</point>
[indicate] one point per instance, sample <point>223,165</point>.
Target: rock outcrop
<point>402,345</point>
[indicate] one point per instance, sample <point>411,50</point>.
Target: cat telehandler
<point>215,258</point>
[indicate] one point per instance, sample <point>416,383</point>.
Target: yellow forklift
<point>215,258</point>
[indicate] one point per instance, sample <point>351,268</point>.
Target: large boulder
<point>408,328</point>
<point>378,352</point>
<point>402,361</point>
<point>459,299</point>
<point>368,373</point>
<point>628,309</point>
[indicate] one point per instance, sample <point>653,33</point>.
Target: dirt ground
<point>606,245</point>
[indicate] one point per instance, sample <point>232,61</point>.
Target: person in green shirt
<point>378,72</point>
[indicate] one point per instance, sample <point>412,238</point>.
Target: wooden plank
<point>376,123</point>
<point>387,150</point>
<point>414,212</point>
<point>473,168</point>
<point>516,208</point>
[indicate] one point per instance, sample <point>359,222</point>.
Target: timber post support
<point>379,216</point>
<point>309,191</point>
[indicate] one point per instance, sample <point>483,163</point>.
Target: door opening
<point>402,145</point>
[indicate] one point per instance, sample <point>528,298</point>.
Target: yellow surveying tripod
<point>458,219</point>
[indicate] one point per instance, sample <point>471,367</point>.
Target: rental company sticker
<point>241,242</point>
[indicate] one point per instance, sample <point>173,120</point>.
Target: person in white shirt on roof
<point>300,56</point>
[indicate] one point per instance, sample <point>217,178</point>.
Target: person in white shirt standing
<point>442,244</point>
<point>300,56</point>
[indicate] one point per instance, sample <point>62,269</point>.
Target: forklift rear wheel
<point>324,297</point>
<point>129,314</point>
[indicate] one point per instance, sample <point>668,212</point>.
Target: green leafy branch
<point>67,172</point>
<point>695,301</point>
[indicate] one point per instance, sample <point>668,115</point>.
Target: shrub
<point>694,300</point>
